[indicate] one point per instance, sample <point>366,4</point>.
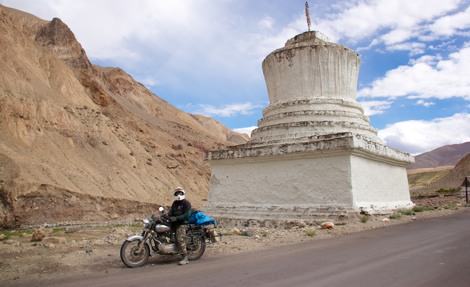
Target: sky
<point>205,56</point>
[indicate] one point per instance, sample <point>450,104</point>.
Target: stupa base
<point>321,178</point>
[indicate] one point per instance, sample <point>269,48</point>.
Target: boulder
<point>235,231</point>
<point>38,234</point>
<point>327,225</point>
<point>248,232</point>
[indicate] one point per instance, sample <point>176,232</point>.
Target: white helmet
<point>179,193</point>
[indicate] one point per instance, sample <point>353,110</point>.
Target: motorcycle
<point>157,238</point>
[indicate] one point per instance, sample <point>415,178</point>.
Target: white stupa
<point>314,151</point>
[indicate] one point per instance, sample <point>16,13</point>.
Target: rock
<point>295,224</point>
<point>55,240</point>
<point>49,245</point>
<point>235,231</point>
<point>248,232</point>
<point>257,237</point>
<point>71,229</point>
<point>88,247</point>
<point>2,237</point>
<point>386,220</point>
<point>327,225</point>
<point>38,234</point>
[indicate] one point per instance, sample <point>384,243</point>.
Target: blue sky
<point>205,56</point>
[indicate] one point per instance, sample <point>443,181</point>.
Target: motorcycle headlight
<point>146,223</point>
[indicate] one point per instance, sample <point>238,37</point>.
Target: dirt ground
<point>72,251</point>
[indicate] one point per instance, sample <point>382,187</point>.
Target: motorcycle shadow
<point>163,260</point>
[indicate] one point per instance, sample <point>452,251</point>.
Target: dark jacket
<point>181,210</point>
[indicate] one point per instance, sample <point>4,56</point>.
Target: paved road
<point>433,252</point>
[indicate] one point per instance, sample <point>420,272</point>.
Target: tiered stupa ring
<point>312,91</point>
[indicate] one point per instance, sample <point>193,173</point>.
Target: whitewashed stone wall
<point>378,186</point>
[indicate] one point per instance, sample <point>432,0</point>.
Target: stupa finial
<point>307,14</point>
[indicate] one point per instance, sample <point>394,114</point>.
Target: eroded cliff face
<point>82,142</point>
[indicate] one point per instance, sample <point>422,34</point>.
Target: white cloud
<point>425,103</point>
<point>148,81</point>
<point>173,41</point>
<point>402,17</point>
<point>266,22</point>
<point>227,110</point>
<point>418,136</point>
<point>427,59</point>
<point>375,107</point>
<point>414,48</point>
<point>246,130</point>
<point>450,24</point>
<point>440,79</point>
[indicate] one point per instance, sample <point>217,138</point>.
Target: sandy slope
<point>73,135</point>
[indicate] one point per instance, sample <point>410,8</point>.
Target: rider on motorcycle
<point>179,215</point>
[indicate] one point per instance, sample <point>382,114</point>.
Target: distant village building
<point>314,151</point>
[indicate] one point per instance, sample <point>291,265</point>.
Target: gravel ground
<point>90,250</point>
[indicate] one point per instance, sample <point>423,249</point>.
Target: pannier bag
<point>199,218</point>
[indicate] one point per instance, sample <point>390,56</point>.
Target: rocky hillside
<point>450,179</point>
<point>443,156</point>
<point>82,142</point>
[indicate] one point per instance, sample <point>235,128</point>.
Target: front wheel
<point>133,254</point>
<point>196,247</point>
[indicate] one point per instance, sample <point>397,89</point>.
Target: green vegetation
<point>450,191</point>
<point>452,206</point>
<point>311,232</point>
<point>58,229</point>
<point>421,208</point>
<point>19,233</point>
<point>395,215</point>
<point>364,218</point>
<point>408,212</point>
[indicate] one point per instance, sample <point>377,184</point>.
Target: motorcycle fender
<point>135,237</point>
<point>140,238</point>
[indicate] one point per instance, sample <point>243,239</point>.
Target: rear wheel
<point>196,247</point>
<point>133,254</point>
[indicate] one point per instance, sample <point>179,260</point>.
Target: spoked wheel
<point>134,253</point>
<point>196,247</point>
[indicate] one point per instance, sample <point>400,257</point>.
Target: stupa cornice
<point>316,146</point>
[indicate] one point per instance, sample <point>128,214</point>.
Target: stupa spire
<point>307,15</point>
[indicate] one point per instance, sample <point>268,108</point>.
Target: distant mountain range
<point>447,155</point>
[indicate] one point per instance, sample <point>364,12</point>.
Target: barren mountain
<point>443,156</point>
<point>82,142</point>
<point>450,179</point>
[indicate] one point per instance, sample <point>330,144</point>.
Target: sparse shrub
<point>408,212</point>
<point>451,206</point>
<point>395,215</point>
<point>7,234</point>
<point>421,208</point>
<point>58,229</point>
<point>444,191</point>
<point>310,232</point>
<point>364,218</point>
